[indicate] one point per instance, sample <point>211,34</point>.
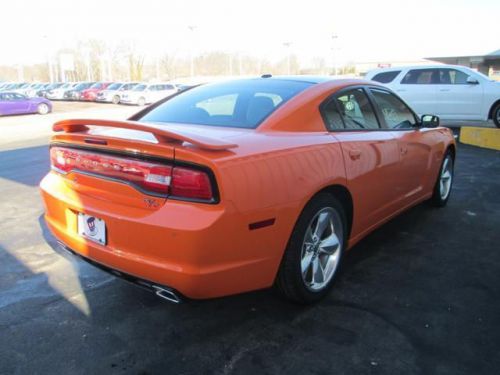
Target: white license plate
<point>92,228</point>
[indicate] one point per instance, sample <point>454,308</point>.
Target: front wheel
<point>442,188</point>
<point>43,109</point>
<point>116,99</point>
<point>141,102</point>
<point>312,257</point>
<point>496,115</point>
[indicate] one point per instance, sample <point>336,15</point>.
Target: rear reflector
<point>150,177</point>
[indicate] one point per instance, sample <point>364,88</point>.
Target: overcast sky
<point>365,30</point>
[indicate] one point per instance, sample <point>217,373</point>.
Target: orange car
<point>241,185</point>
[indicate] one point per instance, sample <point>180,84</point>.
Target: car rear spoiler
<point>161,134</point>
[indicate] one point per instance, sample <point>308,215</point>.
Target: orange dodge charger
<point>236,186</point>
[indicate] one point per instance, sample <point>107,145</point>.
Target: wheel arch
<point>452,148</point>
<point>490,112</point>
<point>344,196</point>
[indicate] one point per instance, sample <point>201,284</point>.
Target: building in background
<point>487,64</point>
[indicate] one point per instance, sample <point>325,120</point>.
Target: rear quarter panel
<point>265,182</point>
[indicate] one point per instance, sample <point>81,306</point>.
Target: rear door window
<point>421,77</point>
<point>350,110</point>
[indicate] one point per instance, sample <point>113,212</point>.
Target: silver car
<point>114,92</point>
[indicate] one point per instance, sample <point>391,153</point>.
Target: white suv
<point>143,93</point>
<point>449,91</point>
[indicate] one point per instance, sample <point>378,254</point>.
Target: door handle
<point>354,154</point>
<point>444,90</point>
<point>404,150</point>
<point>401,90</point>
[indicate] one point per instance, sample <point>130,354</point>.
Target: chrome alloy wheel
<point>321,249</point>
<point>446,177</point>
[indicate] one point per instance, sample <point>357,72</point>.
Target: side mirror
<point>472,81</point>
<point>429,121</point>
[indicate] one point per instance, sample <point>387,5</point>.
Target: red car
<point>90,94</point>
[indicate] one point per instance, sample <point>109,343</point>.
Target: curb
<point>481,137</point>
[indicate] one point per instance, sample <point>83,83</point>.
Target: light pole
<point>334,57</point>
<point>287,45</point>
<point>192,28</point>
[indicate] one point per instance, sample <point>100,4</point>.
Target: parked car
<point>4,84</point>
<point>113,92</point>
<point>244,184</point>
<point>29,89</point>
<point>51,86</point>
<point>59,92</point>
<point>182,87</point>
<point>13,86</point>
<point>13,103</point>
<point>143,94</point>
<point>76,92</point>
<point>90,94</point>
<point>449,91</point>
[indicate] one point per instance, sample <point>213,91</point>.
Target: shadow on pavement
<point>25,165</point>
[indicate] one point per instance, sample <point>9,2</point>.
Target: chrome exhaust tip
<point>167,294</point>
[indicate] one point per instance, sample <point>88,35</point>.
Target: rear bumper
<point>162,291</point>
<point>201,251</point>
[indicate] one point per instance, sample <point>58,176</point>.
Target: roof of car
<point>300,78</point>
<point>430,66</point>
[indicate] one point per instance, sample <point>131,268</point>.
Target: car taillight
<point>152,177</point>
<point>191,183</point>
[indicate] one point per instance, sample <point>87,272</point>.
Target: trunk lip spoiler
<point>162,135</point>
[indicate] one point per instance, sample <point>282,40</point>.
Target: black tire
<point>116,99</point>
<point>495,114</point>
<point>290,281</point>
<point>141,101</point>
<point>438,199</point>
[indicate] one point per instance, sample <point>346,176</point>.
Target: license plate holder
<point>92,228</point>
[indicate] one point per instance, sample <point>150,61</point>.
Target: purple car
<point>12,103</point>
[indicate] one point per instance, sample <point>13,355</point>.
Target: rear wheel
<point>496,115</point>
<point>116,99</point>
<point>314,251</point>
<point>141,101</point>
<point>43,109</point>
<point>442,188</point>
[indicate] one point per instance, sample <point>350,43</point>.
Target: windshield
<point>128,86</point>
<point>114,86</point>
<point>139,88</point>
<point>96,85</point>
<point>82,86</point>
<point>242,104</point>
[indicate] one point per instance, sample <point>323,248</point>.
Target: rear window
<point>241,104</point>
<point>386,77</point>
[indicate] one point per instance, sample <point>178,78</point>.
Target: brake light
<point>191,183</point>
<point>152,177</point>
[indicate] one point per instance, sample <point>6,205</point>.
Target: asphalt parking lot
<point>421,295</point>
